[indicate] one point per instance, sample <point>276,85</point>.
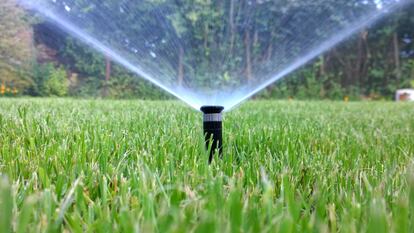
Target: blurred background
<point>38,59</point>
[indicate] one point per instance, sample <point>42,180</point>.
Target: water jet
<point>217,66</point>
<point>212,128</point>
<point>222,65</point>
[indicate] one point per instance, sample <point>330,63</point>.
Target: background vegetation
<point>43,61</point>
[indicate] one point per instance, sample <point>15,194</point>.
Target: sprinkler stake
<point>212,124</point>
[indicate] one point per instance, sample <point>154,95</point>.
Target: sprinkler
<point>213,129</point>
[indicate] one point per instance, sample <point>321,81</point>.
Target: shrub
<point>57,83</point>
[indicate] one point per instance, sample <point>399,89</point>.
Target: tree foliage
<point>16,47</point>
<point>375,62</point>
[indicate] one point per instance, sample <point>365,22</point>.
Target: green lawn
<point>101,166</point>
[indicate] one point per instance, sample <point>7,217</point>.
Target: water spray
<point>150,48</point>
<point>212,124</point>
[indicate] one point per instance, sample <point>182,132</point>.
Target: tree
<point>206,44</point>
<point>16,46</point>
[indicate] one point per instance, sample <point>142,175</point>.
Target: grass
<point>122,166</point>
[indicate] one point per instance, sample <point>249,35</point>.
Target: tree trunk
<point>322,68</point>
<point>269,52</point>
<point>232,26</point>
<point>181,66</point>
<point>346,66</point>
<point>247,45</point>
<point>360,67</point>
<point>358,64</point>
<point>107,76</point>
<point>255,45</point>
<point>256,38</point>
<point>397,61</point>
<point>367,57</point>
<point>206,32</point>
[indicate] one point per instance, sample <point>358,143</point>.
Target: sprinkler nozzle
<point>212,124</point>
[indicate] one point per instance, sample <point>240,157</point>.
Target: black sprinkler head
<point>212,124</point>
